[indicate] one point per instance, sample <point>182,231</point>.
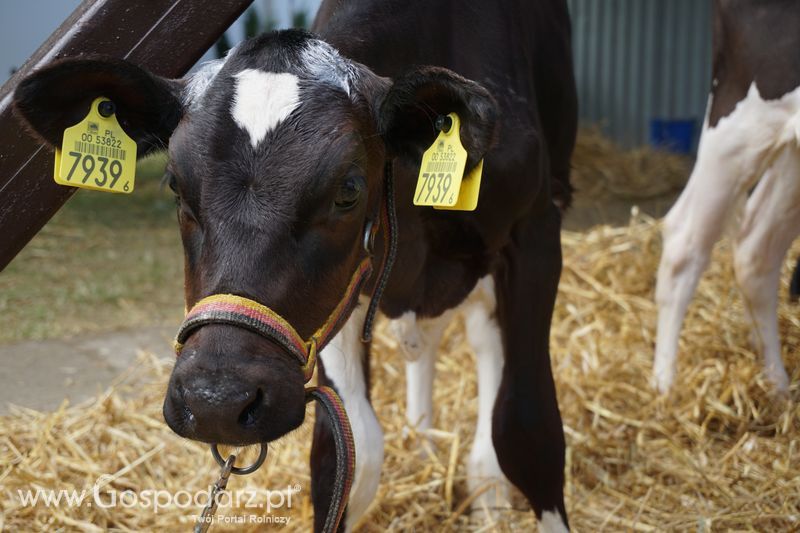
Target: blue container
<point>673,135</point>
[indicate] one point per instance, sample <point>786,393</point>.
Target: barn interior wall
<point>638,60</point>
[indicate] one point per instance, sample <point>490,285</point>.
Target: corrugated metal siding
<point>636,60</point>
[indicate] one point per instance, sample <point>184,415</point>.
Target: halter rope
<point>251,315</point>
<point>248,314</point>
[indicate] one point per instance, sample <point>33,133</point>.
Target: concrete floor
<point>41,374</point>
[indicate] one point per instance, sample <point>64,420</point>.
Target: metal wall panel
<point>637,60</point>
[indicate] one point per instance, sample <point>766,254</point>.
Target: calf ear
<point>58,96</point>
<point>409,110</point>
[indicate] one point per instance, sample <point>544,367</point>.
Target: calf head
<point>276,157</point>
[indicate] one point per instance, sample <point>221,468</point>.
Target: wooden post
<point>165,36</point>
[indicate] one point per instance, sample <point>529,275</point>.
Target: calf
<point>277,156</point>
<point>749,155</point>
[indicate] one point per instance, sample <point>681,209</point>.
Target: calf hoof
<point>663,376</point>
<point>551,522</point>
<point>778,377</point>
<point>487,480</point>
<point>419,442</point>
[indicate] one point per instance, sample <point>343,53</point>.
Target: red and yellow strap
<point>249,314</point>
<point>345,448</point>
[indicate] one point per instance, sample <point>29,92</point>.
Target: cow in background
<point>749,156</point>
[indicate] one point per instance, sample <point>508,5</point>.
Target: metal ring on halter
<point>262,455</point>
<point>369,237</point>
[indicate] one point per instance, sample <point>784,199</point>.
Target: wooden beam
<point>165,36</point>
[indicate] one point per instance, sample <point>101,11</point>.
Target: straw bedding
<point>719,453</point>
<point>601,169</point>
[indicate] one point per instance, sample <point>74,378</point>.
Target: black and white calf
<point>747,169</point>
<point>277,157</point>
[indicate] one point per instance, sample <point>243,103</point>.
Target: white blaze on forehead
<point>262,100</point>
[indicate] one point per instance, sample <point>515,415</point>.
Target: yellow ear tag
<point>96,153</point>
<point>442,168</point>
<point>470,189</point>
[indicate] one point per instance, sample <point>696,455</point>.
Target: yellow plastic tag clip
<point>442,168</point>
<point>441,182</point>
<point>96,153</point>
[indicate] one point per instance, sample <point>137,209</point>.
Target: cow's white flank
<point>262,100</point>
<point>344,366</point>
<point>759,138</point>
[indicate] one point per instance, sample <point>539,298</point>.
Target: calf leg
<point>727,165</point>
<point>343,366</point>
<point>526,429</point>
<point>771,222</point>
<point>483,333</point>
<point>419,389</point>
<point>419,341</point>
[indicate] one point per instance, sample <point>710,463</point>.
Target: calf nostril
<point>180,393</point>
<point>249,415</point>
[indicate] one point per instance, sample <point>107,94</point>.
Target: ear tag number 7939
<point>96,153</point>
<point>442,168</point>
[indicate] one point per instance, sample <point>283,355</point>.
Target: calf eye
<point>349,192</point>
<point>170,181</point>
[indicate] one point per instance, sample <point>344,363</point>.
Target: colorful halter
<point>253,316</point>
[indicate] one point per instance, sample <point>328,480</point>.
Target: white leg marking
<point>419,341</point>
<point>771,222</point>
<point>419,390</point>
<point>731,157</point>
<point>262,100</point>
<point>551,522</point>
<point>484,336</point>
<point>407,333</point>
<point>343,361</point>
